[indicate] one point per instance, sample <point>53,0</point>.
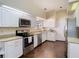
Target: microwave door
<point>24,23</point>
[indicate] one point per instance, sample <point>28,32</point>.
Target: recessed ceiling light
<point>45,8</point>
<point>60,6</point>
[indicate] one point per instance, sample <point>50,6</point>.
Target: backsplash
<point>9,30</point>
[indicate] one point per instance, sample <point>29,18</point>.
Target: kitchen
<point>23,28</point>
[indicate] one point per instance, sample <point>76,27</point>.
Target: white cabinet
<point>49,23</point>
<point>0,16</point>
<point>51,36</point>
<point>77,16</point>
<point>39,23</point>
<point>14,48</point>
<point>9,18</point>
<point>0,20</point>
<point>73,50</point>
<point>44,36</point>
<point>35,41</point>
<point>1,48</point>
<point>19,47</point>
<point>10,51</point>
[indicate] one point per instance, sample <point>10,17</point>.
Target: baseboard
<point>60,40</point>
<point>49,41</point>
<point>40,44</point>
<point>20,56</point>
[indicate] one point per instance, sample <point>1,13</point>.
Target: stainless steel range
<point>27,46</point>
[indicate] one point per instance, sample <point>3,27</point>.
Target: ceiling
<point>49,5</point>
<point>36,7</point>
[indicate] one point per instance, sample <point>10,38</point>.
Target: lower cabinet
<point>35,40</point>
<point>47,35</point>
<point>44,36</point>
<point>14,49</point>
<point>73,50</point>
<point>51,36</point>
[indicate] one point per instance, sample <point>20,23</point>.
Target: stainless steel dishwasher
<point>39,39</point>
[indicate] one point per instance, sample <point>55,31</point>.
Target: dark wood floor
<point>48,50</point>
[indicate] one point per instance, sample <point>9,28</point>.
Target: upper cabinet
<point>9,18</point>
<point>77,16</point>
<point>49,23</point>
<point>0,17</point>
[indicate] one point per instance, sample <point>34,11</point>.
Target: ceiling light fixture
<point>60,6</point>
<point>45,9</point>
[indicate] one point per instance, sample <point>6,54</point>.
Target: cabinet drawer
<point>18,42</point>
<point>1,44</point>
<point>10,43</point>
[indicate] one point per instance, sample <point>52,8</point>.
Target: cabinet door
<point>0,16</point>
<point>49,23</point>
<point>0,20</point>
<point>77,16</point>
<point>44,36</point>
<point>10,50</point>
<point>35,40</point>
<point>13,49</point>
<point>19,47</point>
<point>9,18</point>
<point>50,36</point>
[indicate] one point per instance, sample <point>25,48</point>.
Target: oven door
<point>27,41</point>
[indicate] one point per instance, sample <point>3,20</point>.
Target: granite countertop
<point>4,38</point>
<point>73,40</point>
<point>40,30</point>
<point>36,31</point>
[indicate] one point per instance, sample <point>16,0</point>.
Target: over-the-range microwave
<point>24,22</point>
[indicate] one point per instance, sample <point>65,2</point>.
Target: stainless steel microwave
<point>24,22</point>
